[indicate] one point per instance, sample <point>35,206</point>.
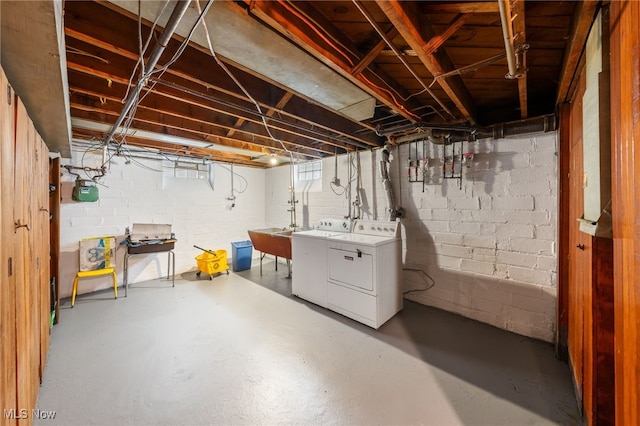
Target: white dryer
<point>364,272</point>
<point>309,259</point>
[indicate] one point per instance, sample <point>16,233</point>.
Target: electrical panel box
<point>97,253</point>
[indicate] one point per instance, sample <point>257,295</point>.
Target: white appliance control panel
<point>377,227</point>
<point>337,225</point>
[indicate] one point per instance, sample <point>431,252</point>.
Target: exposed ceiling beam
<point>417,32</point>
<point>438,40</point>
<point>459,7</point>
<point>309,29</point>
<point>583,16</point>
<point>373,53</point>
<point>268,56</point>
<point>341,127</point>
<point>197,120</point>
<point>281,103</point>
<point>148,140</point>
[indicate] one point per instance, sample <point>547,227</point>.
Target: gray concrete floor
<point>239,349</point>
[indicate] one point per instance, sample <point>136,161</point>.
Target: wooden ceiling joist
<point>460,7</point>
<point>417,32</point>
<point>186,127</point>
<point>436,41</point>
<point>202,108</point>
<point>315,34</point>
<point>79,29</point>
<point>92,135</point>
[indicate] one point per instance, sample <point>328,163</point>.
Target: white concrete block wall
<point>134,193</point>
<point>490,246</point>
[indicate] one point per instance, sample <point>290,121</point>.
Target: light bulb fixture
<point>273,160</point>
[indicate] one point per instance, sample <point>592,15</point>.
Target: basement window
<point>185,170</point>
<point>309,171</point>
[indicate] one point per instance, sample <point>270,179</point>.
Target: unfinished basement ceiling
<point>329,76</point>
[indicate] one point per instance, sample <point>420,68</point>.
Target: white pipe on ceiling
<point>507,32</point>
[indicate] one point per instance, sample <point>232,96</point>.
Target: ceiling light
<point>273,160</point>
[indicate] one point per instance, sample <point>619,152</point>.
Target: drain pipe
<point>507,32</point>
<point>292,194</point>
<point>163,41</point>
<point>394,212</point>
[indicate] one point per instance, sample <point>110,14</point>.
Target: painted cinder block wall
<point>489,247</point>
<point>139,193</point>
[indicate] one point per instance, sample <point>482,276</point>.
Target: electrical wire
<point>246,182</point>
<point>241,87</point>
<point>430,284</point>
<point>158,72</point>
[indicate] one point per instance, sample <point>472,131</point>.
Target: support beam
<point>373,53</point>
<point>459,7</point>
<point>309,29</point>
<point>417,31</point>
<point>438,40</point>
<point>311,116</point>
<point>583,16</point>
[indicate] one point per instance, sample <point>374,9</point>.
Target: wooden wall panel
<point>24,259</point>
<point>8,396</point>
<point>625,141</point>
<point>30,258</point>
<point>603,412</point>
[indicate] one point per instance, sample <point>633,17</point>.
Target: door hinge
<point>10,265</point>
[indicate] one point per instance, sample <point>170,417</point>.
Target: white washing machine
<point>364,272</point>
<point>309,259</point>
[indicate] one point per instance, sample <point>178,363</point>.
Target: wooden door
<point>42,242</point>
<point>27,296</point>
<point>8,397</point>
<point>577,248</point>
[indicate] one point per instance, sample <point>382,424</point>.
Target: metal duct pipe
<point>507,32</point>
<point>437,134</point>
<point>394,212</point>
<point>543,123</point>
<point>163,41</point>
